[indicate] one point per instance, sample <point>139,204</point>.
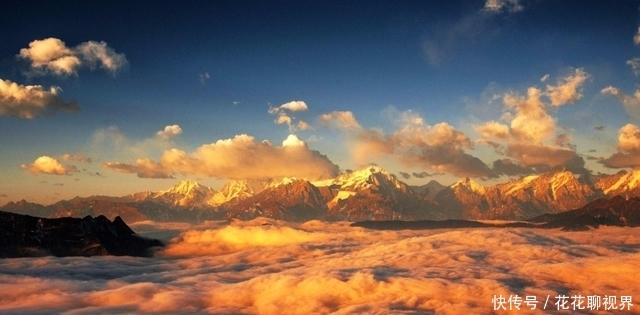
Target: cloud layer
<point>51,55</point>
<point>319,268</point>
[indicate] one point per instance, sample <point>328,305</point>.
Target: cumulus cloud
<point>628,149</point>
<point>28,101</point>
<point>51,55</point>
<point>568,90</point>
<point>631,103</point>
<point>497,6</point>
<point>76,158</point>
<point>169,132</point>
<point>636,38</point>
<point>48,165</point>
<point>417,144</point>
<point>340,119</point>
<point>241,157</point>
<point>425,174</point>
<point>320,268</point>
<point>529,135</point>
<point>284,118</point>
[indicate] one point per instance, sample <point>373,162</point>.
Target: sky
<point>112,98</point>
<point>323,268</point>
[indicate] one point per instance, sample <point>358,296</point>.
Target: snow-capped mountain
<point>370,193</point>
<point>523,198</point>
<point>185,194</point>
<point>235,191</point>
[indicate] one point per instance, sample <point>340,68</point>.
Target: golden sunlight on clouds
<point>241,157</point>
<point>51,55</point>
<point>322,268</point>
<point>48,165</point>
<point>28,101</point>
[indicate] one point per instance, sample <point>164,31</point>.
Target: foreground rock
<point>27,236</point>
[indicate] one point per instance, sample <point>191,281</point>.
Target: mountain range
<point>368,194</point>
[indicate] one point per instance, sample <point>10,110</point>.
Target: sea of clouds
<point>271,267</point>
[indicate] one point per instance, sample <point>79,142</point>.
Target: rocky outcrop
<point>28,236</point>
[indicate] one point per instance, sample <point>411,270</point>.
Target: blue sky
<point>436,88</point>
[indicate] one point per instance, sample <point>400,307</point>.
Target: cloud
<point>320,268</point>
<point>340,119</point>
<point>405,175</point>
<point>203,77</point>
<point>48,165</point>
<point>76,158</point>
<point>284,118</point>
<point>425,174</point>
<point>416,144</point>
<point>442,40</point>
<point>144,168</point>
<point>635,65</point>
<point>28,101</point>
<point>568,90</point>
<point>636,38</point>
<point>529,135</point>
<point>599,127</point>
<point>51,55</point>
<point>241,157</point>
<point>97,53</point>
<point>293,106</point>
<point>169,132</point>
<point>631,103</point>
<point>628,149</point>
<point>497,6</point>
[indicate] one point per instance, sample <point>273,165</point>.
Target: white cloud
<point>51,55</point>
<point>636,38</point>
<point>241,157</point>
<point>28,101</point>
<point>169,132</point>
<point>295,106</point>
<point>48,165</point>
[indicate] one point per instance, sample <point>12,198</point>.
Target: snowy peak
<point>235,191</point>
<point>469,185</point>
<point>368,178</point>
<point>626,184</point>
<point>184,187</point>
